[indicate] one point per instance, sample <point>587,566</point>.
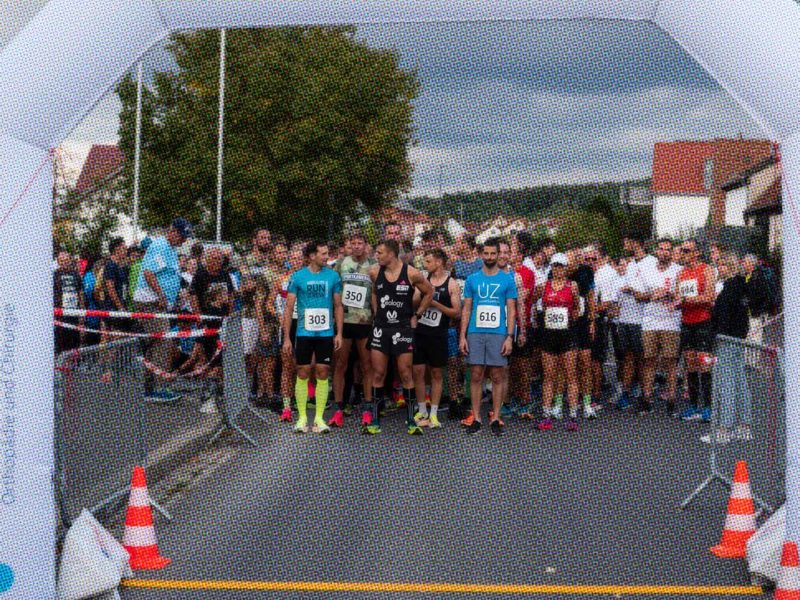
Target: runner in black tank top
<point>430,337</point>
<point>392,332</point>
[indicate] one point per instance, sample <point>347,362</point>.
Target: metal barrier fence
<point>100,426</point>
<point>748,419</point>
<point>105,427</point>
<point>236,387</point>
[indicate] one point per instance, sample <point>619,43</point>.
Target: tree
<point>315,122</point>
<point>584,227</point>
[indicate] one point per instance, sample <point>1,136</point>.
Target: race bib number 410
<point>431,318</point>
<point>688,288</point>
<point>354,296</point>
<point>487,317</point>
<point>317,319</point>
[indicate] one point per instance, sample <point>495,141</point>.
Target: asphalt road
<point>596,508</point>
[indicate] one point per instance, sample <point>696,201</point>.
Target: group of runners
<point>524,321</point>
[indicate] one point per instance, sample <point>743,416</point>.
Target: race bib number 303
<point>487,317</point>
<point>556,317</point>
<point>354,296</point>
<point>688,288</point>
<point>317,319</point>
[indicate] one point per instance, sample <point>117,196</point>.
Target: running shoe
<point>507,411</point>
<point>275,404</point>
<point>723,437</point>
<point>558,410</point>
<point>671,408</point>
<point>422,420</point>
<point>572,424</point>
<point>624,401</point>
<point>468,421</point>
<point>744,433</point>
<point>705,416</point>
<point>348,410</point>
<point>497,427</point>
<point>644,407</point>
<point>337,420</point>
<point>286,415</point>
<point>320,426</point>
<point>589,411</point>
<point>545,424</point>
<point>162,395</point>
<point>209,407</point>
<point>526,412</point>
<point>301,426</point>
<point>691,414</point>
<point>434,423</point>
<point>371,429</point>
<point>492,418</point>
<point>366,418</point>
<point>413,428</point>
<point>474,427</point>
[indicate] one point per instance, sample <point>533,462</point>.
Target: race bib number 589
<point>487,317</point>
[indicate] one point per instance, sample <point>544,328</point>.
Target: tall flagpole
<point>221,129</point>
<point>137,154</point>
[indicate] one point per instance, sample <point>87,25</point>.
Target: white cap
<point>559,258</point>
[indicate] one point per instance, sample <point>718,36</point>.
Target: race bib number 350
<point>556,317</point>
<point>487,317</point>
<point>354,296</point>
<point>317,319</point>
<point>688,288</point>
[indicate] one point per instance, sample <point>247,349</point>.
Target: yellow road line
<point>445,588</point>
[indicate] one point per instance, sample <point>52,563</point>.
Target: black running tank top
<point>434,321</point>
<point>395,300</point>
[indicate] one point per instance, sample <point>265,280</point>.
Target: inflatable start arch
<point>55,70</point>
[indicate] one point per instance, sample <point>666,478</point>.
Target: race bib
<point>487,317</point>
<point>556,317</point>
<point>354,296</point>
<point>317,319</point>
<point>688,288</point>
<point>69,300</point>
<point>431,318</point>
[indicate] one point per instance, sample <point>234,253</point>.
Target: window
<point>708,174</point>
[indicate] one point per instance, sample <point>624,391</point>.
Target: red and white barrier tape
<point>175,375</point>
<point>159,335</point>
<point>118,314</point>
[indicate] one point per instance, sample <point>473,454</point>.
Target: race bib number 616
<point>487,317</point>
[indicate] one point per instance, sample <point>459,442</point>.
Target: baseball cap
<point>559,259</point>
<point>183,227</point>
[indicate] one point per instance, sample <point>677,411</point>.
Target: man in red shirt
<point>522,363</point>
<point>696,292</point>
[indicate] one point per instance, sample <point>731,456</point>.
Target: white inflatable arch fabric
<point>73,51</point>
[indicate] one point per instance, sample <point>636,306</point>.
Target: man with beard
<point>259,321</point>
<point>393,284</point>
<point>487,330</point>
<point>357,300</point>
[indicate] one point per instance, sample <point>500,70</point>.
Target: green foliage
<point>530,202</point>
<point>584,227</point>
<point>314,123</point>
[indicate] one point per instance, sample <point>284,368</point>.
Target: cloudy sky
<point>518,104</point>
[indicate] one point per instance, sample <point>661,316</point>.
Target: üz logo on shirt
<point>488,291</point>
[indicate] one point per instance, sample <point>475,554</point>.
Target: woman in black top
<point>730,318</point>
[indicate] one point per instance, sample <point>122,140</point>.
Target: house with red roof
<point>688,178</point>
<point>754,199</point>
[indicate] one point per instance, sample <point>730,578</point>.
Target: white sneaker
<point>558,410</point>
<point>743,433</point>
<point>589,412</point>
<point>723,437</point>
<point>209,407</point>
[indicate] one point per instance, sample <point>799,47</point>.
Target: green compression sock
<point>301,396</point>
<point>322,397</point>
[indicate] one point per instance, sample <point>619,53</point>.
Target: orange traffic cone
<point>788,587</point>
<point>139,538</point>
<point>740,522</point>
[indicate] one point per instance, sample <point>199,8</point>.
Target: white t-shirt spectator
<point>631,312</point>
<point>660,316</point>
<point>605,283</point>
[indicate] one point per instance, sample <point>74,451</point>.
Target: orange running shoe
<point>468,420</point>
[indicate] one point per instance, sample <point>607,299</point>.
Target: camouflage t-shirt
<point>356,290</point>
